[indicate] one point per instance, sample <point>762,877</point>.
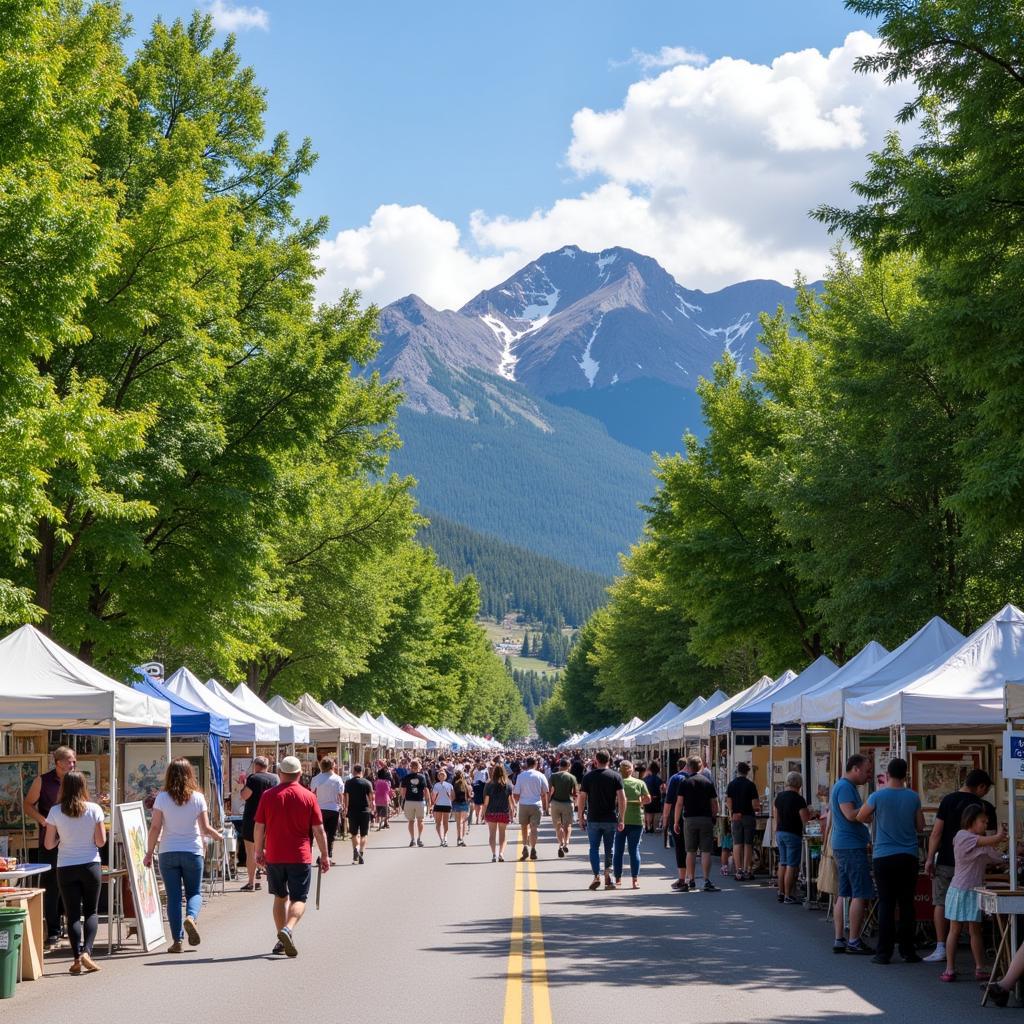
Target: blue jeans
<point>596,831</point>
<point>790,849</point>
<point>630,834</point>
<point>177,870</point>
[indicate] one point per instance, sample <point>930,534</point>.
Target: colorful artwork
<point>134,832</point>
<point>145,765</point>
<point>938,773</point>
<point>17,772</point>
<point>241,769</point>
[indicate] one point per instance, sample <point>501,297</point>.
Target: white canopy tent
<point>738,715</point>
<point>244,728</point>
<point>867,657</point>
<point>370,735</point>
<point>666,714</point>
<point>291,731</point>
<point>624,729</point>
<point>391,736</point>
<point>964,691</point>
<point>786,689</point>
<point>921,652</point>
<point>699,727</point>
<point>320,729</point>
<point>434,738</point>
<point>675,731</point>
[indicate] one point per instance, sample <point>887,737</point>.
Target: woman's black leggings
<point>79,886</point>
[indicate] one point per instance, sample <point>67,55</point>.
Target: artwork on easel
<point>17,773</point>
<point>134,833</point>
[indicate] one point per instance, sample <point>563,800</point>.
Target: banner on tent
<point>1013,754</point>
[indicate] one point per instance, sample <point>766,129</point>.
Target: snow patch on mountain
<point>587,363</point>
<point>508,338</point>
<point>730,335</point>
<point>605,261</point>
<point>686,308</point>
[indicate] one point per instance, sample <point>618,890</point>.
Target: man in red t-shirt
<point>287,817</point>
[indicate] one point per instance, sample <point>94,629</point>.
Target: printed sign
<point>1013,755</point>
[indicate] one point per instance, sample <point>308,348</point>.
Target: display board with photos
<point>936,773</point>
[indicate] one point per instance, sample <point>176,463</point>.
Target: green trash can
<point>12,926</point>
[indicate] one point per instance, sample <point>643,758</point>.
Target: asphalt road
<point>445,935</point>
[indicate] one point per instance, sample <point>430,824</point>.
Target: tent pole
<point>169,745</point>
<point>112,838</point>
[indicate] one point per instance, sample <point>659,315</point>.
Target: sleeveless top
<point>49,793</point>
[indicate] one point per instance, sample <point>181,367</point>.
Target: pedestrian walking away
<point>656,787</point>
<point>414,788</point>
<point>602,809</point>
<point>460,805</point>
<point>790,815</point>
<point>76,824</point>
<point>532,792</point>
<point>382,793</point>
<point>181,825</point>
<point>357,805</point>
<point>481,776</point>
<point>327,787</point>
<point>286,817</point>
<point>564,790</point>
<point>256,784</point>
<point>42,794</point>
<point>743,805</point>
<point>696,808</point>
<point>498,804</point>
<point>442,794</point>
<point>637,798</point>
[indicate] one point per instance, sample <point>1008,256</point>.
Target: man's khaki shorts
<point>940,884</point>
<point>561,813</point>
<point>414,810</point>
<point>529,814</point>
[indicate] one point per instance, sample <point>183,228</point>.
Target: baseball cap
<point>290,766</point>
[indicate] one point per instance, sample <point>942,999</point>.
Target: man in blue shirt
<point>850,839</point>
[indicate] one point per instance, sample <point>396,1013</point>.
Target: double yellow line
<point>526,879</point>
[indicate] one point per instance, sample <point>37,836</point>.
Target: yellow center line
<point>538,962</point>
<point>514,985</point>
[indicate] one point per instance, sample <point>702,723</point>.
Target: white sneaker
<point>938,955</point>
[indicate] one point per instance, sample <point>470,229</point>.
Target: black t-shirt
<point>577,769</point>
<point>789,803</point>
<point>653,784</point>
<point>742,792</point>
<point>950,813</point>
<point>497,797</point>
<point>414,785</point>
<point>257,783</point>
<point>360,796</point>
<point>601,786</point>
<point>697,792</point>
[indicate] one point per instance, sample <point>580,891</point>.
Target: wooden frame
<point>145,895</point>
<point>17,773</point>
<point>937,773</point>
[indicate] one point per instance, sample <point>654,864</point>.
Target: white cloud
<point>228,17</point>
<point>711,170</point>
<point>666,57</point>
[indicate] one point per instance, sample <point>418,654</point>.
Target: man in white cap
<point>286,816</point>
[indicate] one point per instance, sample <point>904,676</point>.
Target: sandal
<point>981,975</point>
<point>947,976</point>
<point>251,887</point>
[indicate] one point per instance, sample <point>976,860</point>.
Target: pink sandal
<point>980,974</point>
<point>947,976</point>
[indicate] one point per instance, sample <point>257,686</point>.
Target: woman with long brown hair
<point>180,821</point>
<point>76,825</point>
<point>498,805</point>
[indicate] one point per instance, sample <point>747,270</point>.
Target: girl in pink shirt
<point>382,799</point>
<point>973,851</point>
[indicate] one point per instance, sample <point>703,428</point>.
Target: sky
<point>458,141</point>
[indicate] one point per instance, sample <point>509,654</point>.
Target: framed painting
<point>241,769</point>
<point>937,773</point>
<point>145,765</point>
<point>148,918</point>
<point>17,772</point>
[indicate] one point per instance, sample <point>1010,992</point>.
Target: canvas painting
<point>145,765</point>
<point>936,774</point>
<point>134,832</point>
<point>241,769</point>
<point>17,773</point>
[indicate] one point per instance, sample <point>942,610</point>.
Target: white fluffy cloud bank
<point>229,17</point>
<point>709,169</point>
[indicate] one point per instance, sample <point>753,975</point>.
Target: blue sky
<point>451,107</point>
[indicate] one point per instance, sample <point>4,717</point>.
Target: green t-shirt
<point>563,785</point>
<point>635,789</point>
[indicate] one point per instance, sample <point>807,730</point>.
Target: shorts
<point>248,831</point>
<point>727,842</point>
<point>790,849</point>
<point>561,813</point>
<point>854,874</point>
<point>442,809</point>
<point>460,808</point>
<point>382,810</point>
<point>699,835</point>
<point>289,881</point>
<point>498,818</point>
<point>744,830</point>
<point>529,814</point>
<point>940,883</point>
<point>359,824</point>
<point>654,807</point>
<point>414,810</point>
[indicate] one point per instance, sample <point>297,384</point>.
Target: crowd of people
<point>615,803</point>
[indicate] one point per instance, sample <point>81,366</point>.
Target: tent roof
<point>187,719</point>
<point>965,689</point>
<point>242,727</point>
<point>757,714</point>
<point>927,648</point>
<point>754,713</point>
<point>676,729</point>
<point>44,686</point>
<point>790,710</point>
<point>701,724</point>
<point>321,730</point>
<point>412,732</point>
<point>668,712</point>
<point>291,731</point>
<point>370,737</point>
<point>351,732</point>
